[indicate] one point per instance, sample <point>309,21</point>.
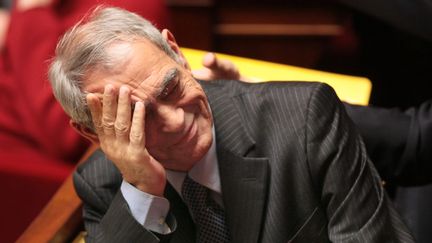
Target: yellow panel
<point>352,89</point>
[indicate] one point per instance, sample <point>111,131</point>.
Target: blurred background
<point>390,42</point>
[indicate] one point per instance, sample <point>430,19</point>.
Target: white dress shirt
<point>151,211</point>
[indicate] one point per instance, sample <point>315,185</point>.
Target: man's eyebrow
<point>168,78</point>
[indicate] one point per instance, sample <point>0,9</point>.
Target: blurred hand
<point>123,139</point>
<point>215,68</point>
<point>23,5</point>
<point>4,24</point>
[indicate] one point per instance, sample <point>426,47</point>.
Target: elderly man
<point>226,161</point>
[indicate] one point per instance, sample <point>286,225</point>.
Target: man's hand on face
<point>123,139</point>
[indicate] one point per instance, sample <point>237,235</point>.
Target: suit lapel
<point>244,188</point>
<point>185,226</point>
<point>243,179</point>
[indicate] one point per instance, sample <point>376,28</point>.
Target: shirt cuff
<point>149,210</point>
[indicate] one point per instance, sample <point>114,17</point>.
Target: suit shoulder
<point>97,175</point>
<point>306,87</point>
<point>234,88</point>
<point>95,165</point>
<point>299,91</point>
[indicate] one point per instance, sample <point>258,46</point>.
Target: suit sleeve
<point>397,141</point>
<point>106,214</point>
<point>357,207</point>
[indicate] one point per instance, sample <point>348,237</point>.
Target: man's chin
<point>185,156</point>
<point>184,161</point>
<point>175,165</point>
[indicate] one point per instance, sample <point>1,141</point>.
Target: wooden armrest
<point>61,219</point>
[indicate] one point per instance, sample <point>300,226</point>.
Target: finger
<point>220,68</point>
<point>210,60</point>
<point>137,133</point>
<point>225,65</point>
<point>203,74</point>
<point>123,119</point>
<point>217,65</point>
<point>95,107</point>
<point>109,110</point>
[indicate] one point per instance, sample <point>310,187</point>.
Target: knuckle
<point>121,127</point>
<point>107,122</point>
<point>136,136</point>
<point>108,125</point>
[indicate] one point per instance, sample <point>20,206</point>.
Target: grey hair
<point>83,48</point>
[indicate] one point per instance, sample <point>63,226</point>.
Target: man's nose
<point>170,118</point>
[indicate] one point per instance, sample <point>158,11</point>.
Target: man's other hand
<point>215,68</point>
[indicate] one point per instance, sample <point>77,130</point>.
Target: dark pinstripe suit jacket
<point>292,168</point>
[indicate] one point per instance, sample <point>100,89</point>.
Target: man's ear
<point>85,132</point>
<point>170,39</point>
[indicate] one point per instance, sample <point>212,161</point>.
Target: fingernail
<point>138,106</point>
<point>109,89</point>
<point>124,90</point>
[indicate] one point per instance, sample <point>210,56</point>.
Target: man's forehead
<point>147,88</point>
<point>119,50</point>
<point>138,63</point>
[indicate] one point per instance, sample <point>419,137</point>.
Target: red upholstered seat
<point>38,148</point>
